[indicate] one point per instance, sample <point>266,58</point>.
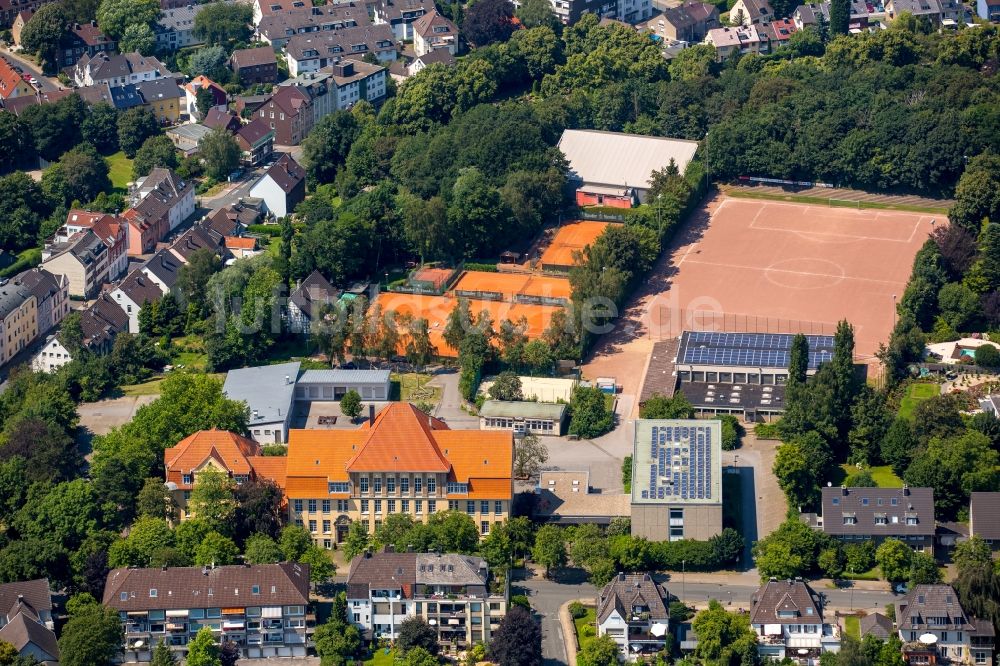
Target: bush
<point>577,610</point>
<point>766,431</point>
<point>272,230</point>
<point>732,431</point>
<point>588,631</point>
<point>987,356</point>
<point>485,268</point>
<point>520,600</point>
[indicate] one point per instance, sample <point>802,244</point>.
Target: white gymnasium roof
<point>624,160</point>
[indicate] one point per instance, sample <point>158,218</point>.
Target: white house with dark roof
<point>936,629</point>
<point>281,187</point>
<point>306,301</point>
<point>26,620</point>
<point>875,514</point>
<point>434,32</point>
<point>134,292</point>
<point>787,616</point>
<point>984,517</point>
<point>401,15</point>
<point>633,609</point>
<point>312,51</point>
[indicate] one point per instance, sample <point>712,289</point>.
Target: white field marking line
<point>848,238</point>
<point>791,272</point>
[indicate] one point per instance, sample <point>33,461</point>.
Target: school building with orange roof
<point>403,461</point>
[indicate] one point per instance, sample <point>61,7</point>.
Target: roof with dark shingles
<point>784,596</point>
<point>628,590</point>
<point>196,587</point>
<point>286,173</point>
<point>35,592</point>
<point>877,625</point>
<point>984,515</point>
<point>102,321</point>
<point>864,503</point>
<point>381,571</point>
<point>22,630</point>
<point>263,55</point>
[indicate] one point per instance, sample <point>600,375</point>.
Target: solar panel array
<point>769,350</point>
<point>682,463</point>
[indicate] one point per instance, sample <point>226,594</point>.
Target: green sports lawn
<point>915,394</point>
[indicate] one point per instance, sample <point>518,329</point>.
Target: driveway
<point>450,409</point>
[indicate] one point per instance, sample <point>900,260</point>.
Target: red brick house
<point>288,112</point>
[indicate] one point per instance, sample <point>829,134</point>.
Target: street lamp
<point>684,579</point>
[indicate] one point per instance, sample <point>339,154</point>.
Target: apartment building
<point>117,70</point>
<point>936,629</point>
<point>256,65</point>
<point>51,296</point>
<point>311,52</point>
<point>742,39</point>
<point>875,514</point>
<point>451,592</point>
<point>263,608</point>
<point>83,39</point>
<point>402,461</point>
<point>238,457</point>
<point>432,32</point>
<point>633,610</point>
<point>160,202</point>
<point>277,29</point>
<point>74,252</point>
<point>787,616</point>
<point>18,319</point>
<point>100,324</point>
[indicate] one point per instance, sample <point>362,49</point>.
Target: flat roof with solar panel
<point>677,461</point>
<point>748,350</point>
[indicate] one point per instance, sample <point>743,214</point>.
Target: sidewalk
<point>752,578</point>
<point>569,630</point>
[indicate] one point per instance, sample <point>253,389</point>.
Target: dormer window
<point>864,501</point>
<point>881,519</point>
<point>788,613</point>
<point>850,519</point>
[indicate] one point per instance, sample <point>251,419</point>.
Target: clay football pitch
<point>785,268</point>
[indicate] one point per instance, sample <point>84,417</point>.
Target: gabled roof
<point>10,80</point>
<point>165,267</point>
<point>401,438</point>
<point>197,587</point>
<point>984,515</point>
<point>194,239</point>
<point>792,597</point>
<point>21,631</point>
<point>102,321</point>
<point>333,43</point>
<point>159,89</point>
<point>35,592</point>
<point>689,14</point>
<point>862,510</point>
<point>40,282</point>
<point>314,287</point>
<point>252,133</point>
<point>313,19</point>
<point>289,99</point>
<point>99,92</point>
<point>437,56</point>
<point>393,571</point>
<point>125,97</point>
<point>628,590</point>
<point>267,389</point>
<point>932,601</point>
<point>451,569</point>
<point>139,288</point>
<point>90,34</point>
<point>425,25</point>
<point>231,450</point>
<point>220,116</point>
<point>262,55</point>
<point>286,173</point>
<point>876,624</point>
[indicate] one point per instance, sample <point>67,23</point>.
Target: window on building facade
<point>364,485</point>
<point>326,506</point>
<point>312,526</point>
<point>484,527</point>
<point>312,505</point>
<point>391,506</point>
<point>297,505</point>
<point>378,506</point>
<point>498,507</point>
<point>432,506</point>
<point>431,485</point>
<point>417,481</point>
<point>377,484</point>
<point>390,484</point>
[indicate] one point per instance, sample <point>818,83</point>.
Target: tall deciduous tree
<point>156,151</point>
<point>115,16</point>
<point>212,498</point>
<point>135,126</point>
<point>328,144</point>
<point>529,456</point>
<point>45,32</point>
<point>203,650</point>
<point>550,548</point>
<point>220,152</point>
<point>92,637</point>
<point>414,632</point>
<point>221,23</point>
<point>518,640</point>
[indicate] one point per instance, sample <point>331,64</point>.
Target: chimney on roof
<point>93,23</point>
<point>906,489</point>
<point>389,548</point>
<point>843,490</point>
<point>621,576</point>
<point>371,414</point>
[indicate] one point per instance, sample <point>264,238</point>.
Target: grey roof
<point>877,625</point>
<point>196,587</point>
<point>312,19</point>
<point>22,630</point>
<point>785,602</point>
<point>932,601</point>
<point>165,88</point>
<point>191,131</point>
<point>437,56</point>
<point>689,14</point>
<point>677,461</point>
<point>262,55</point>
<point>286,173</point>
<point>451,569</point>
<point>220,116</point>
<point>12,296</point>
<point>628,590</point>
<point>165,267</point>
<point>618,159</point>
<point>35,592</point>
<point>381,571</point>
<point>863,505</point>
<point>523,409</point>
<point>198,238</point>
<point>396,11</point>
<point>265,390</point>
<point>314,288</point>
<point>40,282</point>
<point>333,43</point>
<point>984,515</point>
<point>178,18</point>
<point>338,376</point>
<point>140,288</point>
<point>102,322</point>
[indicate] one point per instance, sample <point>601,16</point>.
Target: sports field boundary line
<point>739,193</point>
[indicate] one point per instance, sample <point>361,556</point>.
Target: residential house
<point>160,200</point>
<point>134,293</point>
<point>107,227</point>
<point>741,40</point>
<point>263,608</point>
<point>11,83</point>
<point>689,22</point>
<point>307,300</point>
<point>187,138</point>
<point>88,259</point>
<point>401,461</point>
<point>51,296</point>
<point>163,97</point>
<point>247,105</point>
<point>442,57</point>
<point>253,66</point>
<point>100,323</point>
<point>164,269</point>
<point>262,8</point>
<point>778,31</point>
<point>241,247</point>
<point>17,105</point>
<point>221,117</point>
<point>277,29</point>
<point>935,629</point>
<point>875,514</point>
<point>311,52</point>
<point>256,142</point>
<point>126,97</point>
<point>95,94</point>
<point>434,32</point>
<point>288,113</point>
<point>20,21</point>
<point>988,10</point>
<point>191,89</point>
<point>232,220</point>
<point>282,187</point>
<point>18,319</point>
<point>751,12</point>
<point>931,10</point>
<point>10,9</point>
<point>83,39</point>
<point>175,28</point>
<point>633,609</point>
<point>197,238</point>
<point>787,616</point>
<point>878,625</point>
<point>863,15</point>
<point>984,518</point>
<point>400,15</point>
<point>237,457</point>
<point>356,80</point>
<point>452,593</point>
<point>27,622</point>
<point>117,69</point>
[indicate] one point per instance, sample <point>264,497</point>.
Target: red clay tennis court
<point>511,286</point>
<point>784,267</point>
<point>571,237</point>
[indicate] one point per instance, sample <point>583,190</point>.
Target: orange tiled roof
<point>270,467</point>
<point>310,486</point>
<point>241,243</point>
<point>477,453</point>
<point>322,453</point>
<point>401,439</point>
<point>490,489</point>
<point>231,450</point>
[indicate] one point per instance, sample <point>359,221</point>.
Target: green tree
<point>156,151</point>
<point>216,550</point>
<point>923,570</point>
<point>92,637</point>
<point>796,476</point>
<point>351,405</point>
<point>212,498</point>
<point>860,556</point>
<point>139,549</point>
<point>414,632</point>
<point>154,500</point>
<point>44,32</point>
<point>220,153</point>
<point>488,21</point>
<point>162,655</point>
<point>294,542</point>
<point>832,562</point>
<point>357,541</point>
<point>658,406</point>
<point>336,642</point>
<point>518,640</point>
<point>591,416</point>
<point>115,16</point>
<point>80,174</point>
<point>262,549</point>
<point>976,196</point>
<point>64,513</point>
<point>898,445</point>
<point>971,553</point>
<point>326,148</point>
<point>209,61</point>
<point>893,558</point>
<point>789,551</point>
<point>203,650</point>
<point>138,37</point>
<point>507,386</point>
<point>219,24</point>
<point>135,126</point>
<point>419,349</point>
<point>723,638</point>
<point>192,279</point>
<point>840,16</point>
<point>535,13</point>
<point>537,357</point>
<point>601,651</point>
<point>529,456</point>
<point>321,567</point>
<point>955,467</point>
<point>550,548</point>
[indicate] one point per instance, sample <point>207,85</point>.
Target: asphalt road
<point>29,67</point>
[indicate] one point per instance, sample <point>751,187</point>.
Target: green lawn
<point>883,476</point>
<point>823,201</point>
<point>119,170</point>
<point>25,259</point>
<point>412,387</point>
<point>852,626</point>
<point>915,394</point>
<point>872,574</point>
<point>189,351</point>
<point>152,387</point>
<point>588,620</point>
<point>380,658</point>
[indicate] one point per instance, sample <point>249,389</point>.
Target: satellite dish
<point>928,639</point>
<point>138,644</point>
